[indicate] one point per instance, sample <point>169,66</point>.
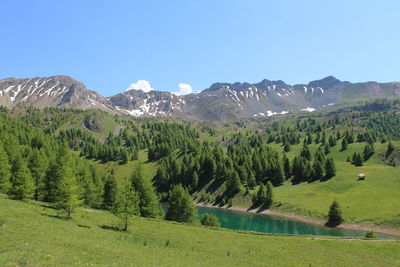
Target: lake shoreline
<point>292,215</point>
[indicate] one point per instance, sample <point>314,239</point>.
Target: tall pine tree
<point>22,185</point>
<point>148,199</point>
<point>181,207</point>
<point>127,203</point>
<point>110,192</point>
<point>66,188</point>
<point>5,171</point>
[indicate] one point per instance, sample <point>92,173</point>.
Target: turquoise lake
<point>238,220</point>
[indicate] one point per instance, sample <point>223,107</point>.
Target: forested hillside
<point>298,163</point>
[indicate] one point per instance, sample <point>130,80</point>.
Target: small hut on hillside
<point>361,177</point>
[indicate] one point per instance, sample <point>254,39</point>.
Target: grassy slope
<point>125,170</point>
<point>105,122</point>
<point>30,235</point>
<point>371,201</point>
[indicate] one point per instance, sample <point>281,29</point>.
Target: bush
<point>210,220</point>
<point>370,234</point>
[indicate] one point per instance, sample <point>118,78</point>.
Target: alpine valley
<point>264,174</point>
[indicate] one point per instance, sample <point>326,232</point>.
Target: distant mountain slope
<point>221,101</point>
<point>60,91</point>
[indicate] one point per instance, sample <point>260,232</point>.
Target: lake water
<point>239,220</point>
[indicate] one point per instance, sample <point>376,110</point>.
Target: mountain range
<point>221,101</point>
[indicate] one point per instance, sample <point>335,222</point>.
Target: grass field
<point>373,201</point>
<point>31,234</point>
<point>149,168</point>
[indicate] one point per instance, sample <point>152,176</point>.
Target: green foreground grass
<point>31,234</point>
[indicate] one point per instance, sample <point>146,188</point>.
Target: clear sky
<point>109,45</point>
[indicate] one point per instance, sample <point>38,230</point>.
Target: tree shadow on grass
<point>112,228</point>
<point>325,178</point>
<point>215,184</point>
<point>47,206</point>
<point>260,208</point>
<point>64,218</point>
<point>295,181</point>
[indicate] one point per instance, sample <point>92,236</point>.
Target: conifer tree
<point>323,138</point>
<point>344,144</point>
<point>148,199</point>
<point>332,141</point>
<point>357,159</point>
<point>195,181</point>
<point>335,214</point>
<point>309,138</point>
<point>5,171</point>
<point>209,168</point>
<point>307,171</point>
<point>305,152</point>
<point>330,168</point>
<point>327,149</point>
<point>368,151</point>
<point>251,180</point>
<point>22,185</point>
<point>319,155</point>
<point>286,167</point>
<point>390,149</point>
<point>269,197</point>
<point>67,189</point>
<point>286,148</point>
<point>124,156</point>
<point>233,184</point>
<point>110,192</point>
<point>161,179</point>
<point>37,167</point>
<point>261,195</point>
<point>180,207</point>
<point>350,138</point>
<point>127,203</point>
<point>318,170</point>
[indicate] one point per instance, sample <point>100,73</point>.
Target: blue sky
<point>109,45</point>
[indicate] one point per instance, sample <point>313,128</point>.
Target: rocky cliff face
<point>221,101</point>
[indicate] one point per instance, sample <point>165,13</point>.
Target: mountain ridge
<point>220,101</point>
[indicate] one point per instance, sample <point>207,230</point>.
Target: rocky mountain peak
<point>325,83</point>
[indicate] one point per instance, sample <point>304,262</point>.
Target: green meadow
<point>373,201</point>
<point>32,234</point>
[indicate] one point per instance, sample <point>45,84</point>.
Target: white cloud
<point>184,89</point>
<point>140,85</point>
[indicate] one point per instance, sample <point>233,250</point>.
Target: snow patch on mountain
<point>309,109</point>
